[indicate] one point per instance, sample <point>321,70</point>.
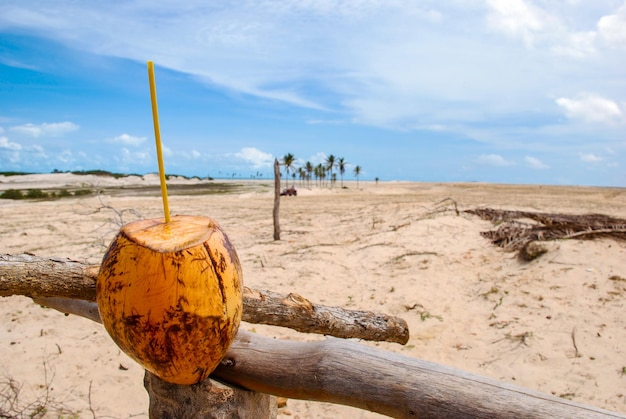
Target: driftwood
<point>298,313</point>
<point>56,277</point>
<point>513,234</point>
<point>348,373</point>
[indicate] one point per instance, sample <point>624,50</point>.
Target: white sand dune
<point>386,247</point>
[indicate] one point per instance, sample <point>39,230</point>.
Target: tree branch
<point>33,276</point>
<point>298,313</point>
<point>40,278</point>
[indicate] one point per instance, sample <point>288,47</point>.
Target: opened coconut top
<point>182,232</point>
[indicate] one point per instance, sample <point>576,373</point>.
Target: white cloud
<point>519,19</point>
<point>577,45</point>
<point>325,122</point>
<point>187,155</point>
<point>166,151</point>
<point>255,157</point>
<point>134,157</point>
<point>591,108</point>
<point>590,157</point>
<point>318,158</point>
<point>9,145</point>
<point>10,151</point>
<point>494,160</point>
<point>612,28</point>
<point>399,65</point>
<point>563,29</point>
<point>535,163</point>
<point>130,140</point>
<point>54,129</point>
<point>38,151</point>
<point>66,157</point>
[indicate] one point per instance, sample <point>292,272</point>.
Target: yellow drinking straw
<point>157,138</point>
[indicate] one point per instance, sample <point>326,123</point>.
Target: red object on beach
<point>289,192</point>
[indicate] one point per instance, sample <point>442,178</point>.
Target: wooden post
<point>208,399</point>
<point>276,199</point>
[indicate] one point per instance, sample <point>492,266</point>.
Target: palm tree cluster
<point>323,173</point>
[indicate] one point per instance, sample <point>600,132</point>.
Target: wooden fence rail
<point>333,370</point>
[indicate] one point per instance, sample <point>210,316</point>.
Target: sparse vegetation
<point>12,194</point>
<point>423,313</point>
<point>519,338</point>
<point>102,173</point>
<point>13,404</point>
<point>36,194</point>
<point>15,173</point>
<point>17,194</point>
<point>492,290</point>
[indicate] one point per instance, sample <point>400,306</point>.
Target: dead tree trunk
<point>276,199</point>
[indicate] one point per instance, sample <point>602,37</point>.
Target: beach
<point>555,324</point>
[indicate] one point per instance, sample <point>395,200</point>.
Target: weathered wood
<point>298,313</point>
<point>83,308</point>
<point>276,210</point>
<point>343,372</point>
<point>208,399</point>
<point>36,277</point>
<point>513,234</point>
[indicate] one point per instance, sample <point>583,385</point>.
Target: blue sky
<point>510,91</point>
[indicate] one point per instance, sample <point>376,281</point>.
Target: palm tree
<point>330,165</point>
<point>320,173</point>
<point>309,171</point>
<point>342,169</point>
<point>357,172</point>
<point>316,173</point>
<point>302,175</point>
<point>288,160</point>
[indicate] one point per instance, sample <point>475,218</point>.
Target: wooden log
<point>298,313</point>
<point>37,277</point>
<point>343,372</point>
<point>276,210</point>
<point>352,374</point>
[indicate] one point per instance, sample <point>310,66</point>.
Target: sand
<point>387,247</point>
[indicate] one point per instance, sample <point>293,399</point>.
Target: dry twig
<point>513,234</point>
